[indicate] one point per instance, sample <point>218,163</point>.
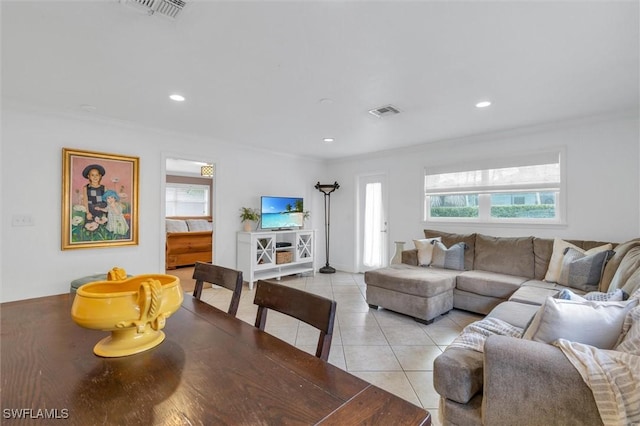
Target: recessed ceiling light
<point>483,104</point>
<point>328,140</point>
<point>176,97</point>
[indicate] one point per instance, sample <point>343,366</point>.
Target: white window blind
<point>187,199</point>
<point>537,172</point>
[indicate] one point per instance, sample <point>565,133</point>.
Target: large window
<point>187,199</point>
<point>522,189</point>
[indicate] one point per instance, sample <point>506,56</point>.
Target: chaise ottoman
<point>423,293</point>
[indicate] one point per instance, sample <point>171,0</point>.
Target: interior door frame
<point>360,219</point>
<point>163,190</point>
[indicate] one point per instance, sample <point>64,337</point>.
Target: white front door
<point>372,219</point>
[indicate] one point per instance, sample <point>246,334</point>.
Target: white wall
<point>603,164</point>
<point>33,263</point>
<point>603,188</point>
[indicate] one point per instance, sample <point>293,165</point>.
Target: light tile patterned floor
<point>382,347</point>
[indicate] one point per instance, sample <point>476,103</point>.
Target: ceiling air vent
<point>384,111</point>
<point>168,8</point>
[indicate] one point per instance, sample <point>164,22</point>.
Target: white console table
<point>259,254</point>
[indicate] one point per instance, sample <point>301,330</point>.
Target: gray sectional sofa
<point>513,381</point>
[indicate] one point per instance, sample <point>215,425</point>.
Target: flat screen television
<point>281,213</point>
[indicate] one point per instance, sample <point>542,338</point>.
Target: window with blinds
<point>187,199</point>
<point>517,189</point>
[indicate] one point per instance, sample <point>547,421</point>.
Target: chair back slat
<point>221,276</point>
<point>310,308</point>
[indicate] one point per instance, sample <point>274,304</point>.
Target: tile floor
<point>382,347</point>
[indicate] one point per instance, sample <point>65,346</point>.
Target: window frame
<point>484,194</point>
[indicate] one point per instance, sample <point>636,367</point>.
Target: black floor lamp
<point>327,190</point>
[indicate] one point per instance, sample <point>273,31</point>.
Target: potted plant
<point>248,215</point>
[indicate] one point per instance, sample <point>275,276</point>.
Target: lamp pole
<point>327,189</point>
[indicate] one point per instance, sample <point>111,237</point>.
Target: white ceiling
<point>254,73</point>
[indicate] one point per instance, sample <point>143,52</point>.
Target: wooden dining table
<point>212,368</point>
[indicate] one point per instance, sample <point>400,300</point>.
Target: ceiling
<point>285,75</point>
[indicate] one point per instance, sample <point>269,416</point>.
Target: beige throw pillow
<point>597,324</point>
<point>425,250</point>
<point>559,246</point>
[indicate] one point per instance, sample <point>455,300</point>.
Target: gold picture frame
<point>99,199</point>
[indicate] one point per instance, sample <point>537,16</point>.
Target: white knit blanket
<point>612,375</point>
<point>474,335</point>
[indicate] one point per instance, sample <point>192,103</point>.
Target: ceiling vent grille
<point>168,8</point>
<point>384,111</point>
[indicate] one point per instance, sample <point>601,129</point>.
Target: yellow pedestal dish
<point>134,310</point>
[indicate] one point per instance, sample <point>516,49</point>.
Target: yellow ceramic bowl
<point>134,310</point>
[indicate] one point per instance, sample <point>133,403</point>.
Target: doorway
<point>188,192</point>
<point>372,219</point>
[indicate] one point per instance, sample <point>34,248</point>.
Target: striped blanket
<point>612,375</point>
<point>473,336</point>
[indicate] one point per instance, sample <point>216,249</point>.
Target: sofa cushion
<point>515,313</point>
<point>542,250</point>
<point>613,264</point>
<point>457,374</point>
<point>559,247</point>
<point>583,271</point>
<point>473,302</point>
<point>489,283</point>
<point>512,256</point>
<point>196,225</point>
<point>551,286</point>
<point>532,295</point>
<point>597,324</point>
<point>415,280</point>
<point>627,267</point>
<point>448,258</point>
<point>425,250</point>
<point>449,239</point>
<point>176,225</point>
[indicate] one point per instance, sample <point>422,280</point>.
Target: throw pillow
<point>555,264</point>
<point>425,250</point>
<point>597,324</point>
<point>174,225</point>
<point>613,296</point>
<point>596,296</point>
<point>448,258</point>
<point>196,225</point>
<point>583,271</point>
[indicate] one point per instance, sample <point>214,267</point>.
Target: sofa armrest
<point>535,381</point>
<point>410,257</point>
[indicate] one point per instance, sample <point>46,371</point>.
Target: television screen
<point>281,213</point>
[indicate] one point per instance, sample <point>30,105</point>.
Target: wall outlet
<point>22,220</point>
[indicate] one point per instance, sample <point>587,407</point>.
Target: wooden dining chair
<point>310,308</point>
<point>218,275</point>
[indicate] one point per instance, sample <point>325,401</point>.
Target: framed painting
<point>99,199</point>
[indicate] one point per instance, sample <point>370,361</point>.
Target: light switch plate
<point>22,220</point>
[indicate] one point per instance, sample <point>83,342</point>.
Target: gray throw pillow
<point>448,258</point>
<point>583,271</point>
